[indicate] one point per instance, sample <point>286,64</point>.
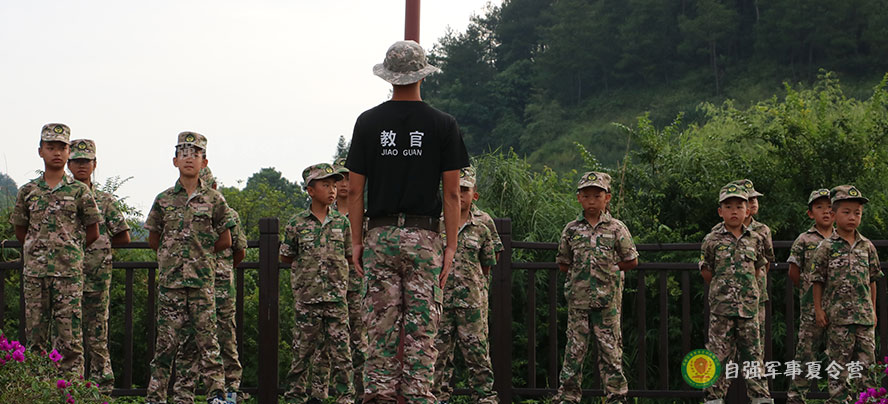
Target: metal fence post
<point>501,315</point>
<point>269,323</point>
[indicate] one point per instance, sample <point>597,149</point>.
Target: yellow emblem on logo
<point>748,184</point>
<point>328,170</point>
<point>189,138</point>
<point>58,129</point>
<point>81,146</point>
<point>170,208</point>
<point>700,368</point>
<point>462,174</point>
<point>591,177</point>
<point>853,192</point>
<point>823,193</point>
<point>732,189</point>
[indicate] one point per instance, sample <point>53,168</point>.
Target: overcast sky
<point>271,83</point>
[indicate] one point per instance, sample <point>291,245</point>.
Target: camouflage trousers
<point>466,328</point>
<point>847,343</point>
<point>735,339</point>
<point>95,337</point>
<point>226,334</point>
<point>321,346</point>
<point>358,339</point>
<point>55,302</point>
<point>401,270</point>
<point>811,342</point>
<point>184,312</point>
<point>604,325</point>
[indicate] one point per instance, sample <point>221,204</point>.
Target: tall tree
<point>713,23</point>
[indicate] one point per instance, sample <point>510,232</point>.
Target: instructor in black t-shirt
<point>404,150</point>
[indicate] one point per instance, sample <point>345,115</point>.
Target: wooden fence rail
<point>501,328</point>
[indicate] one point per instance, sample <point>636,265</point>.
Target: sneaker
<point>231,398</point>
<point>220,399</point>
<point>313,400</point>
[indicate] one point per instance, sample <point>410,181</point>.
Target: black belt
<point>422,222</point>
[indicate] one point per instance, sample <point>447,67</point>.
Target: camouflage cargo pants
<point>466,328</point>
<point>401,269</point>
<point>845,344</point>
<point>55,302</point>
<point>735,339</point>
<point>811,341</point>
<point>358,339</point>
<point>321,346</point>
<point>183,312</point>
<point>186,365</point>
<point>96,298</point>
<point>582,325</point>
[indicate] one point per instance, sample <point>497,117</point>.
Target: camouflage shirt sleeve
<point>768,245</point>
<point>875,267</point>
<point>820,263</point>
<point>290,243</point>
<point>348,239</point>
<point>762,260</point>
<point>114,219</point>
<point>154,221</point>
<point>20,213</point>
<point>624,246</point>
<point>238,237</point>
<point>564,256</point>
<point>221,219</point>
<point>797,253</point>
<point>707,255</point>
<point>87,208</point>
<point>487,253</point>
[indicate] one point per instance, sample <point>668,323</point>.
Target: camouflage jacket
<point>97,256</point>
<point>592,253</point>
<point>189,227</point>
<point>764,233</point>
<point>800,254</point>
<point>734,290</point>
<point>488,221</point>
<point>225,258</point>
<point>321,252</point>
<point>467,286</point>
<point>55,218</point>
<point>846,272</point>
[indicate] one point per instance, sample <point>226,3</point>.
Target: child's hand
<point>707,275</point>
<point>794,274</point>
<point>820,316</point>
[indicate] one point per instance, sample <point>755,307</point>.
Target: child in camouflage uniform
<point>593,251</point>
<point>317,245</point>
<point>226,261</point>
<point>113,231</point>
<point>187,225</point>
<point>55,216</point>
<point>811,335</point>
<point>731,264</point>
<point>464,318</point>
<point>844,271</point>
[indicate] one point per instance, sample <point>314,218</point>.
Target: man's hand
<point>820,316</point>
<point>357,253</point>
<point>707,275</point>
<point>449,253</point>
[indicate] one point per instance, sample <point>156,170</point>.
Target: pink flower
<point>18,356</point>
<point>88,384</point>
<point>70,399</point>
<point>55,356</point>
<point>61,384</point>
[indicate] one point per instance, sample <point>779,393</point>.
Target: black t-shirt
<point>402,147</point>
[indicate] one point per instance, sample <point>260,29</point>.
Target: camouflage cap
<point>83,149</point>
<point>319,172</point>
<point>817,194</point>
<point>206,176</point>
<point>192,138</point>
<point>467,177</point>
<point>847,193</point>
<point>405,63</point>
<point>595,179</point>
<point>55,132</point>
<point>750,189</point>
<point>339,165</point>
<point>732,190</point>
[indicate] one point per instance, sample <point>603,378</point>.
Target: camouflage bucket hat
<point>847,193</point>
<point>339,165</point>
<point>817,194</point>
<point>319,172</point>
<point>192,138</point>
<point>405,63</point>
<point>595,179</point>
<point>55,132</point>
<point>83,149</point>
<point>467,177</point>
<point>732,190</point>
<point>749,187</point>
<point>206,176</point>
